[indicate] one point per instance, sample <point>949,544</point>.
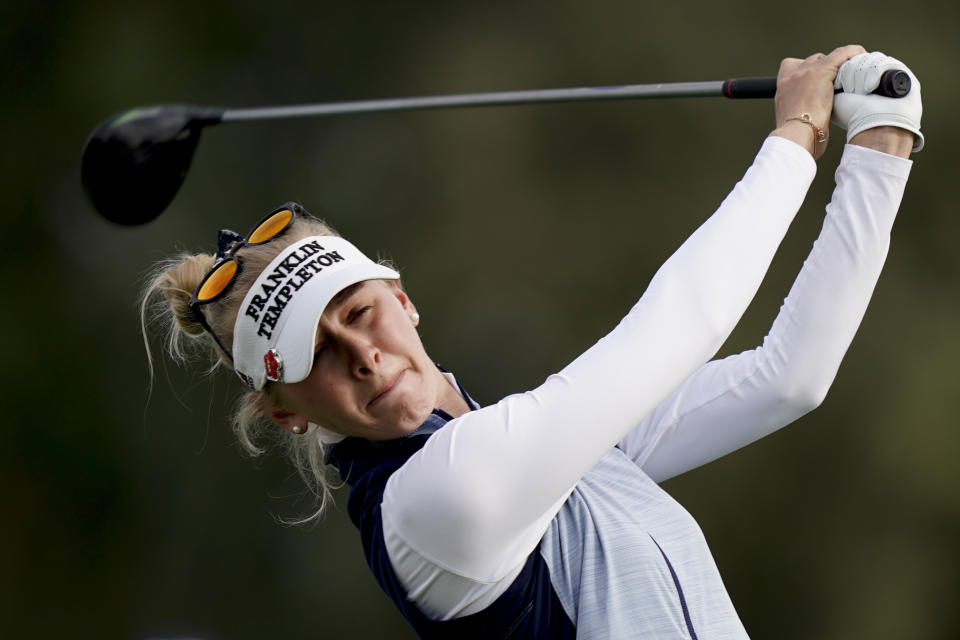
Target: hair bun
<point>177,284</point>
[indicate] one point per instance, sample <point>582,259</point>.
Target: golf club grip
<point>744,88</point>
<point>894,83</point>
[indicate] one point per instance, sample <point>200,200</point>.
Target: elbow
<point>457,517</point>
<point>796,375</point>
<point>803,396</point>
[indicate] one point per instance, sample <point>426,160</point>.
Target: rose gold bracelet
<point>819,135</point>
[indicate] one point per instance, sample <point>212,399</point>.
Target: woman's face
<point>371,376</point>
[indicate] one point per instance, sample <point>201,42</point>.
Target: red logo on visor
<point>273,365</point>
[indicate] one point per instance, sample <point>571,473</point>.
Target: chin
<point>409,418</point>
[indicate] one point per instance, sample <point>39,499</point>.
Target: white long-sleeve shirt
<point>541,471</point>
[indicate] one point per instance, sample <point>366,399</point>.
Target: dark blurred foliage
<point>524,233</point>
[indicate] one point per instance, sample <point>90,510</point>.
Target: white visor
<point>273,337</point>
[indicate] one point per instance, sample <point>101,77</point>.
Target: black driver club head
<point>135,161</point>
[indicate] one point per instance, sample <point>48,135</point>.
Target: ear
<point>405,302</point>
<point>292,422</point>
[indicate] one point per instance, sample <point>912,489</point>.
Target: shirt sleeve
<point>476,499</point>
<point>732,402</point>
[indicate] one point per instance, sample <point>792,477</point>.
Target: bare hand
<point>806,87</point>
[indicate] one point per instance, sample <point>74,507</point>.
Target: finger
<point>862,73</point>
<point>866,73</point>
<point>788,64</point>
<point>841,54</point>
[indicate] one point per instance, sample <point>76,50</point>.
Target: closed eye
<point>356,313</point>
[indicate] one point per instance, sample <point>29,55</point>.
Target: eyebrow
<point>336,301</point>
<point>342,296</point>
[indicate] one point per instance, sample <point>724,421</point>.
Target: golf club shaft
<point>894,83</point>
<point>758,88</point>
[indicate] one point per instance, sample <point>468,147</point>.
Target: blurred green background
<point>130,516</point>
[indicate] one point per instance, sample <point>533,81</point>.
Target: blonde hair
<point>164,305</point>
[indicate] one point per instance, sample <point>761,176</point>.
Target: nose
<point>365,357</point>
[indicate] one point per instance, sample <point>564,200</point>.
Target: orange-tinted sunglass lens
<point>217,281</point>
<point>270,227</point>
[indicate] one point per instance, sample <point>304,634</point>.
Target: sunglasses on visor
<point>227,266</point>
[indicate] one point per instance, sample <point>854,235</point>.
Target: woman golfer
<point>540,516</point>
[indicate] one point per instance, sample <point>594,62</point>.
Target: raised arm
<point>480,493</point>
<point>730,403</point>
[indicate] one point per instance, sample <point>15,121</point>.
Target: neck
<point>449,398</point>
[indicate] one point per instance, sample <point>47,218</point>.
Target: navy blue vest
<point>528,609</point>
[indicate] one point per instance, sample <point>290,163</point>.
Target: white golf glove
<point>858,109</point>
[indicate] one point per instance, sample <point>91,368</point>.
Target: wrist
<point>802,133</point>
<point>890,140</point>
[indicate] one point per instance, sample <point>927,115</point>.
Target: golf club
<point>135,161</point>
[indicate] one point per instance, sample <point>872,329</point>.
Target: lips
<point>385,390</point>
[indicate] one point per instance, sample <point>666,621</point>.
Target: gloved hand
<point>857,109</point>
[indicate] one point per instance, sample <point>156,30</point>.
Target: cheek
<point>403,337</point>
<point>317,398</point>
